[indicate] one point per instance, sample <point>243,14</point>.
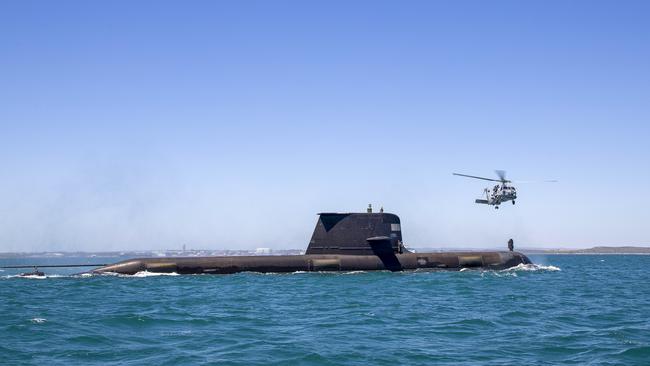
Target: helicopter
<point>500,193</point>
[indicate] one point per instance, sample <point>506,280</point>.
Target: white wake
<point>151,274</point>
<point>532,268</point>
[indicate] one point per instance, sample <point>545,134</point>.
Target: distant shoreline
<point>600,250</point>
<point>577,253</point>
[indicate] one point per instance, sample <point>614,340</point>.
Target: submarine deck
<point>319,262</point>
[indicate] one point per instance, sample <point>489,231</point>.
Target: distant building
<point>263,251</point>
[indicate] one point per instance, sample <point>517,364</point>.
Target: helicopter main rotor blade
<point>475,177</point>
<point>502,175</point>
<point>535,181</point>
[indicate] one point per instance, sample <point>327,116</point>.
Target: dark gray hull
<point>319,262</point>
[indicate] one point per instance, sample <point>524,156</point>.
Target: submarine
<point>364,241</point>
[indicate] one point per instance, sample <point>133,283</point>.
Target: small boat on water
<point>33,273</point>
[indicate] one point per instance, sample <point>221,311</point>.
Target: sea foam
<point>34,277</point>
<point>151,274</point>
<point>532,267</point>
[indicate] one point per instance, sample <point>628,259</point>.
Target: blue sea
<point>569,310</point>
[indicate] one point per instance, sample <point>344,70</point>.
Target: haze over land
<point>230,126</point>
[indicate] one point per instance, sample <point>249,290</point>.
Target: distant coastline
<point>599,250</point>
<point>594,250</point>
<point>153,253</point>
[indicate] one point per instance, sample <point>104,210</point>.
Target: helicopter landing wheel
<point>513,202</point>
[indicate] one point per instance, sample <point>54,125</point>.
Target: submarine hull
<point>319,262</point>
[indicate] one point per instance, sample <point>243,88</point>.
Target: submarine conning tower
<point>356,234</point>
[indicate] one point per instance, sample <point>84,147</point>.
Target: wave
<point>140,274</point>
<point>321,272</point>
<point>34,277</point>
<point>512,271</point>
<point>151,274</point>
<point>532,268</point>
<point>503,273</point>
<point>38,320</point>
<point>353,272</point>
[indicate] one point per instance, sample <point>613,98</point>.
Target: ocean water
<point>570,310</point>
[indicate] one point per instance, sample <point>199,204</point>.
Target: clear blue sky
<point>230,124</point>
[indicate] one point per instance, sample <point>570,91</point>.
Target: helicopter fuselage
<point>499,194</point>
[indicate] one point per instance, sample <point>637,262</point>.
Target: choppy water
<point>573,310</point>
